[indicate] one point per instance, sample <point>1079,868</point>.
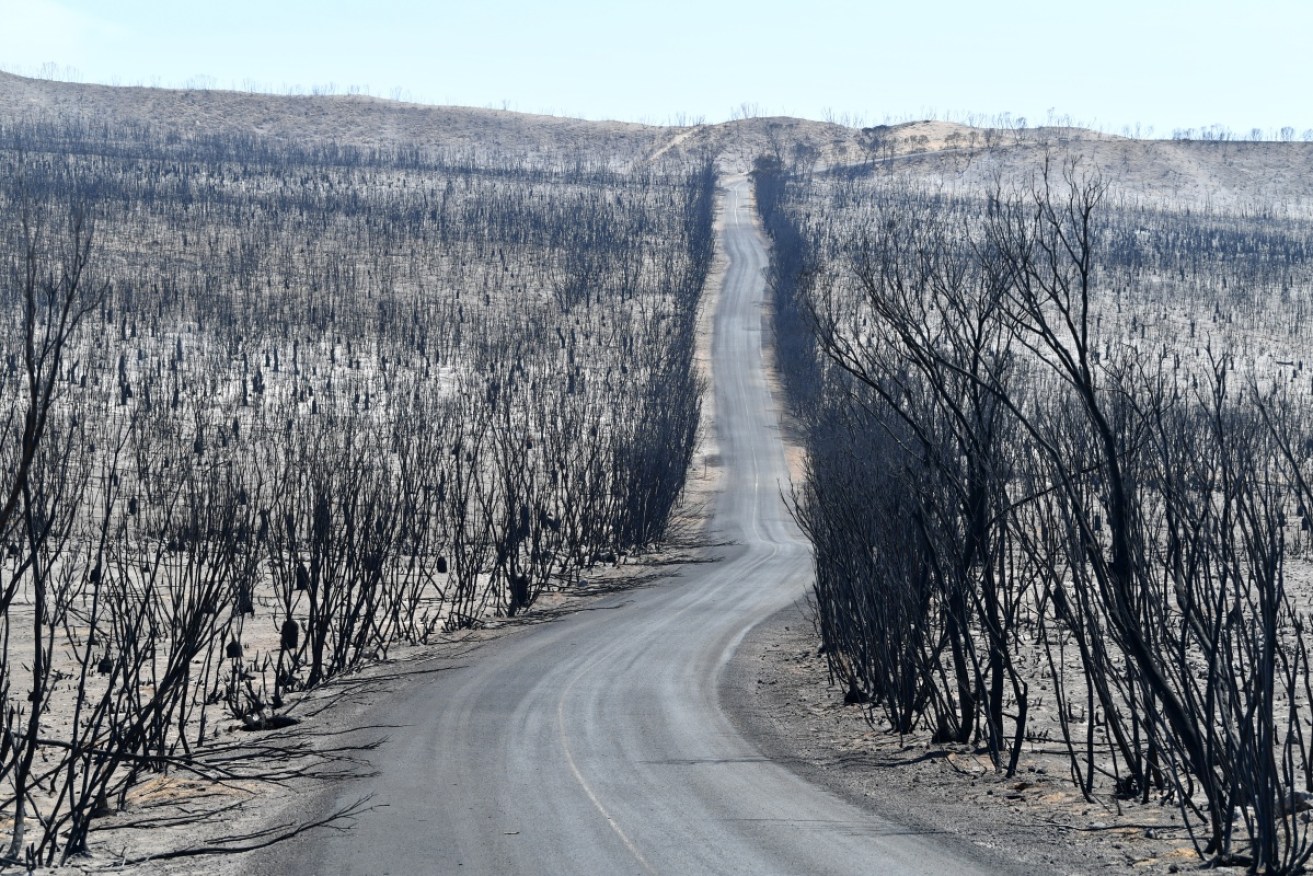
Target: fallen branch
<point>265,838</point>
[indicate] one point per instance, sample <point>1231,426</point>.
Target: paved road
<point>596,744</point>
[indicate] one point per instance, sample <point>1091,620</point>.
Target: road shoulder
<point>777,692</point>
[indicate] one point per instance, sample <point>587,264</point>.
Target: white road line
<point>583,783</point>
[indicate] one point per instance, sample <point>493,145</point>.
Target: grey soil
<point>778,694</point>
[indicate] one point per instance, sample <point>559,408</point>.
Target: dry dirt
<point>779,692</point>
<point>177,812</point>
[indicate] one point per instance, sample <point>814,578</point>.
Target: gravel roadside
<point>777,691</point>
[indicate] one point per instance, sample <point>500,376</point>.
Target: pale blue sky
<point>1165,63</point>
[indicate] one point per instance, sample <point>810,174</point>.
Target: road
<point>597,743</point>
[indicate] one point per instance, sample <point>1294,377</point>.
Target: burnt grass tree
<point>272,409</point>
<point>1030,483</point>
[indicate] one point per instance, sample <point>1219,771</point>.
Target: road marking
<point>583,783</point>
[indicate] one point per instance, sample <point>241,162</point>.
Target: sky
<point>1117,65</point>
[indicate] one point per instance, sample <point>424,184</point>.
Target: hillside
<point>368,122</point>
<point>1245,176</point>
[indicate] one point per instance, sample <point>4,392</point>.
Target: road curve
<point>597,743</point>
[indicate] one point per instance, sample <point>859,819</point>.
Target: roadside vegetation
<point>270,409</point>
<point>1059,463</point>
<point>274,404</point>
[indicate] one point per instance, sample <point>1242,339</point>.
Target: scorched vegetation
<point>269,409</point>
<point>1058,482</point>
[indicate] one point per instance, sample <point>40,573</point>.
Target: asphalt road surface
<point>597,744</point>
